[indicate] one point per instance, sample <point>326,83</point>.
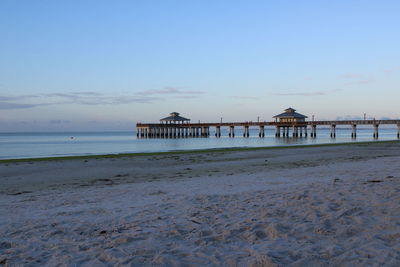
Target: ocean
<point>55,144</point>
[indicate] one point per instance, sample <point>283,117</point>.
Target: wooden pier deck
<point>285,129</point>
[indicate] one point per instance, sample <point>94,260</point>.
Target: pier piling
<point>231,131</point>
<point>398,131</point>
<point>354,131</point>
<point>333,131</point>
<point>261,131</point>
<point>218,131</point>
<point>313,130</point>
<point>277,131</point>
<point>376,133</point>
<point>246,131</point>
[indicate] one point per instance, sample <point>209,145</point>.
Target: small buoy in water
<point>72,137</point>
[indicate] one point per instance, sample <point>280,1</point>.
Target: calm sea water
<point>29,145</point>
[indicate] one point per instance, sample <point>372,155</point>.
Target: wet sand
<point>334,205</point>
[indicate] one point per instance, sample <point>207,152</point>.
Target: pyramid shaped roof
<point>290,113</point>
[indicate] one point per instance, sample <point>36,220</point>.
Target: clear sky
<point>105,65</point>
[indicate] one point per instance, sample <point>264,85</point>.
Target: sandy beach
<point>316,206</point>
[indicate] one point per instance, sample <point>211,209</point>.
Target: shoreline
<point>191,151</point>
<point>327,205</point>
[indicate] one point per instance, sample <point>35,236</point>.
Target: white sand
<point>322,206</point>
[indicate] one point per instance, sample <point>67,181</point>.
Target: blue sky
<point>105,65</point>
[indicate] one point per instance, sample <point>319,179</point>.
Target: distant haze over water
<point>50,144</point>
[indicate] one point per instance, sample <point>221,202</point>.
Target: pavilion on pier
<point>291,119</point>
<point>290,115</point>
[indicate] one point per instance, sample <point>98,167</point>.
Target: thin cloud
<point>92,98</point>
<point>348,118</point>
<point>9,105</point>
<point>170,91</point>
<point>17,98</point>
<point>389,118</point>
<point>59,122</point>
<point>88,93</point>
<point>89,98</point>
<point>186,96</point>
<point>391,70</point>
<point>361,82</point>
<point>315,93</point>
<point>80,98</point>
<point>244,97</point>
<point>349,76</point>
<point>352,117</point>
<point>134,99</point>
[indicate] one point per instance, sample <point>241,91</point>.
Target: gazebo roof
<point>174,116</point>
<point>290,113</point>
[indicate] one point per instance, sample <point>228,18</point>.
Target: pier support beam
<point>218,131</point>
<point>333,131</point>
<point>354,131</point>
<point>231,131</point>
<point>287,131</point>
<point>261,132</point>
<point>313,131</point>
<point>277,131</point>
<point>305,131</point>
<point>246,131</point>
<point>398,131</point>
<point>206,131</point>
<point>376,132</point>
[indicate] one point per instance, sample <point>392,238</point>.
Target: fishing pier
<point>287,124</point>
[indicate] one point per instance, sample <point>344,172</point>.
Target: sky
<point>106,65</point>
